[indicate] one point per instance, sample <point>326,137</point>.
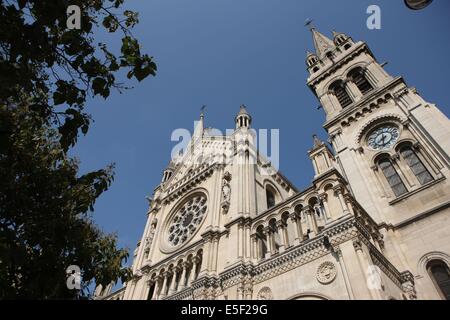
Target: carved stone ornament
<point>226,192</point>
<point>265,294</point>
<point>326,272</point>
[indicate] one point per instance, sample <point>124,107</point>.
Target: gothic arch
<point>311,197</point>
<point>430,256</point>
<point>309,295</point>
<point>322,186</point>
<point>381,155</point>
<point>272,188</point>
<point>295,204</point>
<point>270,217</point>
<point>403,143</point>
<point>362,65</point>
<point>283,210</point>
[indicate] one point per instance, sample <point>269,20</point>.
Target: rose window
<point>187,220</point>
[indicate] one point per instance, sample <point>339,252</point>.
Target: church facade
<point>374,223</point>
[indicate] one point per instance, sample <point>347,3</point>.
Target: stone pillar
<point>215,253</point>
<point>340,196</point>
<point>248,242</point>
<point>164,285</point>
<point>207,248</point>
<point>282,230</point>
<point>240,241</point>
<point>195,261</point>
<point>340,258</point>
<point>268,233</point>
<point>173,287</point>
<point>182,284</point>
<point>324,198</point>
<point>364,264</point>
<point>298,228</point>
<point>318,209</point>
<point>145,292</point>
<point>155,295</point>
<point>255,254</point>
<point>312,222</point>
<point>353,90</point>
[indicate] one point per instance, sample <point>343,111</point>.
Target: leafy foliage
<point>45,221</point>
<point>43,59</point>
<point>47,73</point>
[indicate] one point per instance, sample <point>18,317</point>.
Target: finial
<point>309,24</point>
<point>202,111</point>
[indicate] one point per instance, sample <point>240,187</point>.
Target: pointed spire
<point>243,118</point>
<point>321,42</point>
<point>243,110</point>
<point>199,125</point>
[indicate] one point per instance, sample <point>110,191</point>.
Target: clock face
<point>187,220</point>
<point>383,138</point>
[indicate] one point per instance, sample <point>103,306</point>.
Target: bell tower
<point>390,144</point>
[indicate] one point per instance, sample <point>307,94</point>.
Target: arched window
<point>338,89</point>
<point>270,197</point>
<point>417,167</point>
<point>440,274</point>
<point>359,78</point>
<point>392,177</point>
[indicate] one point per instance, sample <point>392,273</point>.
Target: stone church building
<point>373,224</point>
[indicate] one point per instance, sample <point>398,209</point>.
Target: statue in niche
<point>226,192</point>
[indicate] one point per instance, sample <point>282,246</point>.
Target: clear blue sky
<point>224,53</point>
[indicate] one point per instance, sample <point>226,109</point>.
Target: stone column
<point>340,258</point>
<point>282,230</point>
<point>312,222</point>
<point>215,254</point>
<point>195,261</point>
<point>254,239</point>
<point>248,243</point>
<point>164,286</point>
<point>182,284</point>
<point>155,295</point>
<point>353,90</point>
<point>364,264</point>
<point>324,198</point>
<point>268,233</point>
<point>340,196</point>
<point>318,209</point>
<point>173,287</point>
<point>298,228</point>
<point>240,240</point>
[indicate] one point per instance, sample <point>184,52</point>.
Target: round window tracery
<point>187,220</point>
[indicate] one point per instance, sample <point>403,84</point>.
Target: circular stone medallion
<point>326,272</point>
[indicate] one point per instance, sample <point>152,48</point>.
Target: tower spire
<point>322,43</point>
<point>243,118</point>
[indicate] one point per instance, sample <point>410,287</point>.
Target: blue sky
<point>224,53</point>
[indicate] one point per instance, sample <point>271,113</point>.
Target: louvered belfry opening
<point>359,78</point>
<point>338,89</point>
